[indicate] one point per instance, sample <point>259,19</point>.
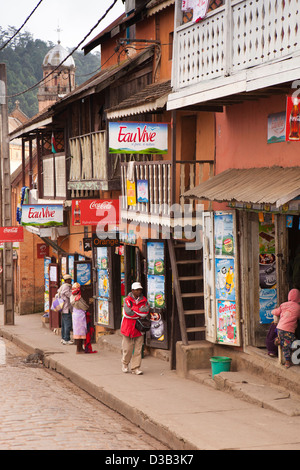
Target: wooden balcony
<point>165,203</point>
<point>91,167</point>
<point>240,47</point>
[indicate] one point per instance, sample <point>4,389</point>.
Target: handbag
<point>57,304</point>
<point>143,324</point>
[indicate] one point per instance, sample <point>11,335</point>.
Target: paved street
<point>40,410</point>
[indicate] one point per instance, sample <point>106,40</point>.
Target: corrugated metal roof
<point>274,185</point>
<point>152,97</point>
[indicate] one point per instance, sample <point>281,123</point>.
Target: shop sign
<point>95,211</point>
<point>87,244</point>
<point>11,234</point>
<point>292,119</point>
<point>111,239</point>
<point>42,250</point>
<point>138,137</point>
<point>38,215</point>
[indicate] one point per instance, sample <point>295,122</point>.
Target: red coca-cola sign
<point>11,234</point>
<point>95,211</point>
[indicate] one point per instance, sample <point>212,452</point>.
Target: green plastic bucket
<point>220,364</point>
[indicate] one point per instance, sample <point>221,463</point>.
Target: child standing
<point>289,313</point>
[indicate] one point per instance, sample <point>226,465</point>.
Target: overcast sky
<point>74,17</point>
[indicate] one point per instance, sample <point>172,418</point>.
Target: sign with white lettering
<point>38,215</point>
<point>138,137</point>
<point>11,234</point>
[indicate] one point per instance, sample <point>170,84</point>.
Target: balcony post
<point>228,38</point>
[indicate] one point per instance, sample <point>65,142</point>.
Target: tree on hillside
<point>24,56</point>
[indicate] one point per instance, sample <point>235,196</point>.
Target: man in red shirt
<point>135,306</point>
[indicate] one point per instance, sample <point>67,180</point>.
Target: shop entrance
<point>294,249</point>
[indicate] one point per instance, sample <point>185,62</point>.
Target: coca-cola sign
<point>138,137</point>
<point>11,234</point>
<point>95,211</point>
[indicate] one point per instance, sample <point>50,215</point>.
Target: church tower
<point>59,83</point>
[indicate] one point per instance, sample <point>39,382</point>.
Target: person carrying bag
<point>136,310</point>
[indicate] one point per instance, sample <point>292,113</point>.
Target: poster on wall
<point>276,128</point>
<point>292,119</point>
<point>226,319</point>
<point>225,278</point>
<point>47,262</point>
<point>224,240</point>
<point>84,273</point>
<point>102,314</point>
<point>142,191</point>
<point>267,272</point>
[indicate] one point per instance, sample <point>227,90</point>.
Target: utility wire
<point>18,30</point>
<point>69,55</point>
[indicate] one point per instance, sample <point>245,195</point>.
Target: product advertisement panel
<point>156,294</point>
<point>267,272</point>
<point>102,310</point>
<point>225,278</point>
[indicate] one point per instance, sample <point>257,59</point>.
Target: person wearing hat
<point>64,293</point>
<point>135,306</point>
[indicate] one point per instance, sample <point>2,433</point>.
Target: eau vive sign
<point>138,137</point>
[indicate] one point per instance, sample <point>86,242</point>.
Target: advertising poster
<point>84,274</point>
<point>142,191</point>
<point>156,294</point>
<point>156,291</point>
<point>102,312</point>
<point>225,278</point>
<point>47,261</point>
<point>157,330</point>
<point>226,318</point>
<point>155,257</point>
<point>224,240</point>
<point>276,128</point>
<point>138,137</point>
<point>131,196</point>
<point>50,215</point>
<point>71,259</point>
<point>95,211</point>
<point>292,119</point>
<point>267,273</point>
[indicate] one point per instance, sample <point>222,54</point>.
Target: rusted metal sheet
<point>274,185</point>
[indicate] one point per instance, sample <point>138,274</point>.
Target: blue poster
<point>267,303</point>
<point>103,284</point>
<point>142,191</point>
<point>84,274</point>
<point>225,278</point>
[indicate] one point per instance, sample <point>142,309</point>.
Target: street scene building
<point>175,165</point>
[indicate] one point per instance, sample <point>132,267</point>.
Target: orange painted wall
<point>241,137</point>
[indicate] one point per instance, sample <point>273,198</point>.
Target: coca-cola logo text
<point>105,205</point>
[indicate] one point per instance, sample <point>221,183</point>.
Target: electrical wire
<point>69,55</point>
<point>18,30</point>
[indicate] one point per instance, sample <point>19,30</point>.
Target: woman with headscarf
<point>80,307</point>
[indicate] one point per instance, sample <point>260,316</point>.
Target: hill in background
<point>24,57</point>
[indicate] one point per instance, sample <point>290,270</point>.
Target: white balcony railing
<point>234,37</point>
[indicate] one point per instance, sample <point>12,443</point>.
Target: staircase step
<point>196,329</point>
<point>189,261</point>
<point>194,312</point>
<point>190,278</point>
<point>192,294</point>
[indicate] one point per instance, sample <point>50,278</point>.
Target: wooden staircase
<point>187,270</point>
